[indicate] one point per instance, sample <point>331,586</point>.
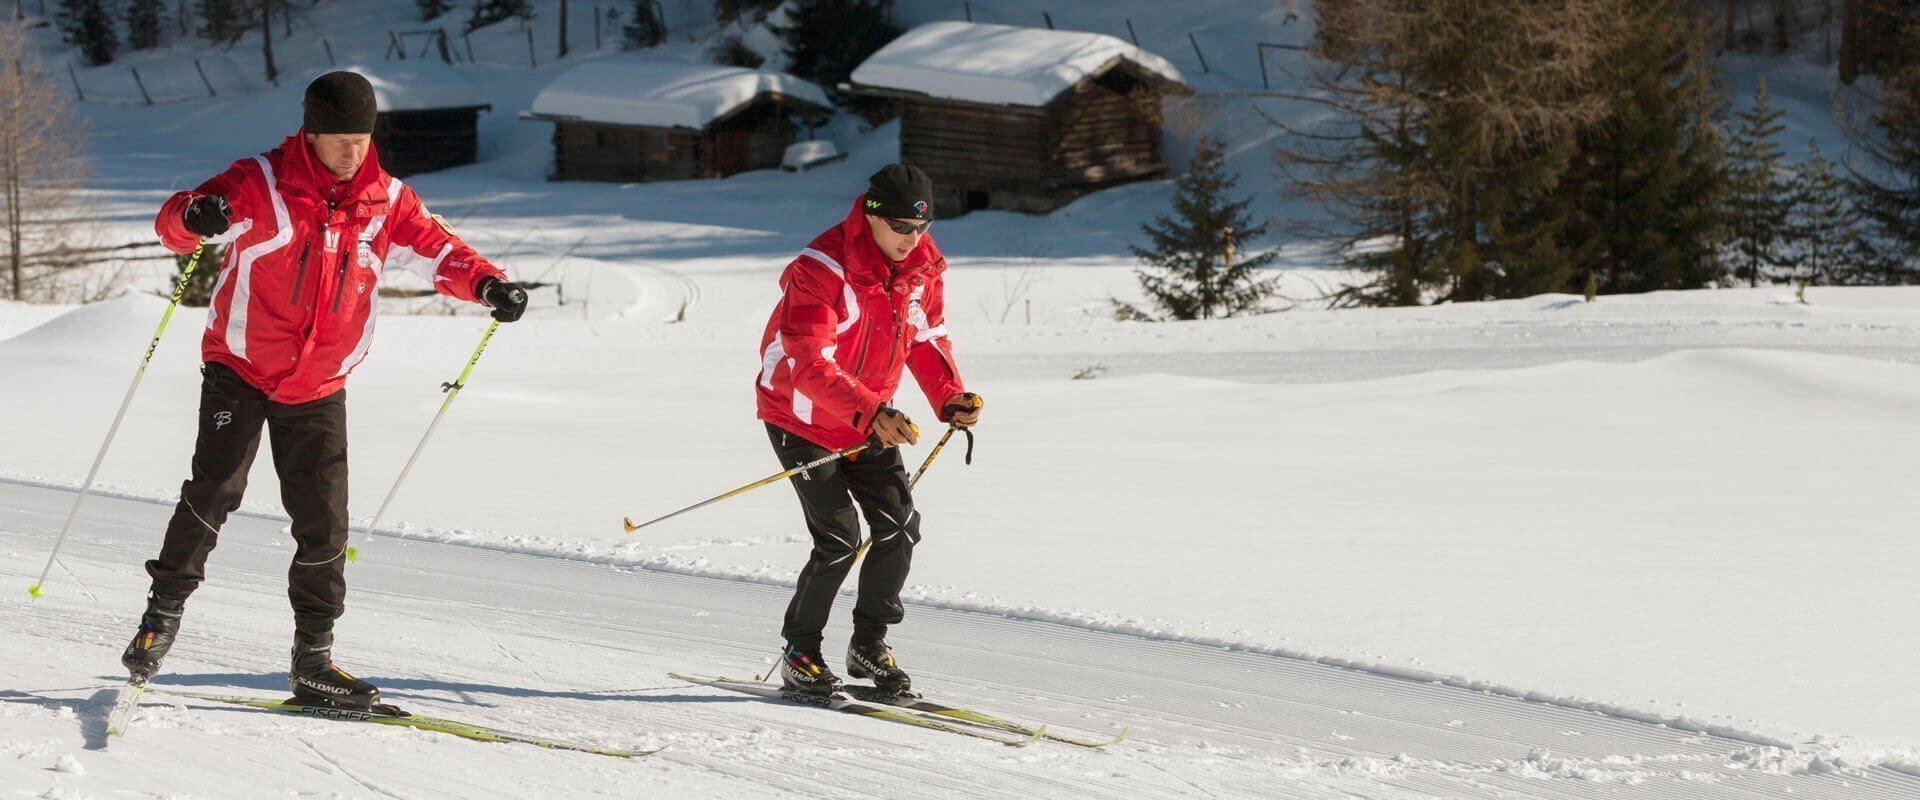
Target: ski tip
<point>353,554</point>
<point>1037,735</point>
<point>628,522</point>
<point>35,592</point>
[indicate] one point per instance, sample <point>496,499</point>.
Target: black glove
<point>207,215</point>
<point>508,301</point>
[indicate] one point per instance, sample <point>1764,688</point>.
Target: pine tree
<point>488,12</point>
<point>145,20</point>
<point>1648,183</point>
<point>86,25</point>
<point>1197,268</point>
<point>1441,158</point>
<point>223,21</point>
<point>1888,184</point>
<point>826,39</point>
<point>726,12</point>
<point>646,30</point>
<point>1824,229</point>
<point>1758,197</point>
<point>431,10</point>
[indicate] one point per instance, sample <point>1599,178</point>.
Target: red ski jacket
<point>847,322</point>
<point>294,309</point>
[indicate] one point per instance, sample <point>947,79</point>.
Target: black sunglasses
<point>904,228</point>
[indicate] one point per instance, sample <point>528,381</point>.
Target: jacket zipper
<point>300,272</point>
<point>340,281</point>
<point>340,274</point>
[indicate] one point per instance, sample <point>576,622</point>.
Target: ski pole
<point>453,390</point>
<point>823,460</point>
<point>951,427</point>
<point>179,288</point>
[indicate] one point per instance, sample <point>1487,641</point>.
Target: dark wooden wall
<point>412,142</point>
<point>752,139</point>
<point>586,151</point>
<point>1106,131</point>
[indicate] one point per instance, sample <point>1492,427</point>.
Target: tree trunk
<point>563,28</point>
<point>1849,41</point>
<point>1781,36</point>
<point>1728,44</point>
<point>1226,263</point>
<point>1826,31</point>
<point>266,40</point>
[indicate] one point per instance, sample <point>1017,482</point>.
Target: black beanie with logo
<point>900,191</point>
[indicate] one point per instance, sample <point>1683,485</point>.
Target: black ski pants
<point>309,445</point>
<point>877,483</point>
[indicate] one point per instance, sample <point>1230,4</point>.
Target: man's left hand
<point>963,409</point>
<point>508,300</point>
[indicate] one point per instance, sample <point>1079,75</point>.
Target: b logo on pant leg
<point>221,418</point>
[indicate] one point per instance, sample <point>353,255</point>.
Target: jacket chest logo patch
<point>917,314</point>
<point>333,242</point>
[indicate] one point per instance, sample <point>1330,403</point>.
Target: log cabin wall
<point>412,142</point>
<point>1106,131</point>
<point>587,151</point>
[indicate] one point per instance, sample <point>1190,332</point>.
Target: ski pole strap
<point>969,432</point>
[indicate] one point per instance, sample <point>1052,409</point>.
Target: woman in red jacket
<point>309,227</point>
<point>862,301</point>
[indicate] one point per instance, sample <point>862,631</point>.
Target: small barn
<point>1024,119</point>
<point>627,119</point>
<point>429,115</point>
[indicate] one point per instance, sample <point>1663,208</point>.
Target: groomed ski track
<point>581,651</point>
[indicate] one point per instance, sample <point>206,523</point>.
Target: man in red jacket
<point>861,302</point>
<point>309,226</point>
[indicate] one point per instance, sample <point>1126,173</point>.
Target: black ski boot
<point>317,682</point>
<point>871,658</point>
<point>157,628</point>
<point>804,675</point>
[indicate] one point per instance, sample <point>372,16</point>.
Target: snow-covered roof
<point>999,64</point>
<point>419,85</point>
<point>654,93</point>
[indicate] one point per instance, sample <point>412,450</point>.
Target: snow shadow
<point>277,683</point>
<point>92,712</point>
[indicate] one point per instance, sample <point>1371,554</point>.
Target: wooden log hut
<point>1024,119</point>
<point>631,119</point>
<point>429,116</point>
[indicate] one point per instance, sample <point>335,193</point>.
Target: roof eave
<point>1148,76</point>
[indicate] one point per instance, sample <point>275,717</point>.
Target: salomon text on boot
<point>317,682</point>
<point>804,675</point>
<point>872,659</point>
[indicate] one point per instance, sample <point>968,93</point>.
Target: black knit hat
<point>900,191</point>
<point>340,102</point>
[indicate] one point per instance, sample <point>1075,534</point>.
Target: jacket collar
<point>870,266</point>
<point>302,177</point>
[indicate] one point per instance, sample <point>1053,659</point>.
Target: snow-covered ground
<point>1243,536</point>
